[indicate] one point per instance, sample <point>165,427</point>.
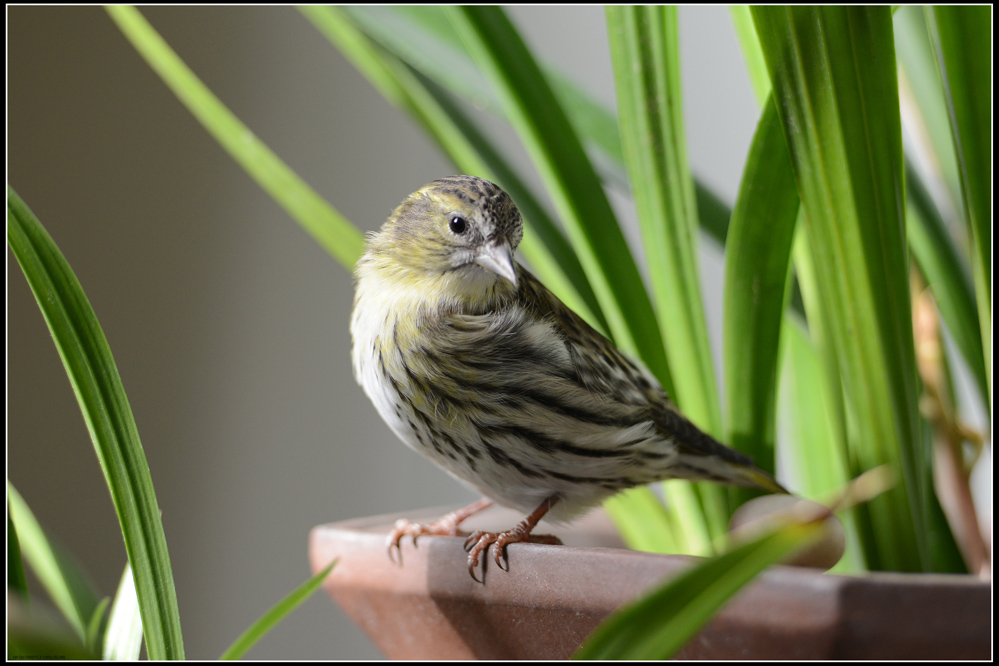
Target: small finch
<point>477,366</point>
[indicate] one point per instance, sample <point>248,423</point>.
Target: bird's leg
<point>480,540</point>
<point>445,526</point>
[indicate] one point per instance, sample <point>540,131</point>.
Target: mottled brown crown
<point>495,204</point>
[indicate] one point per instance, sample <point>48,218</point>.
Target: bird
<point>476,365</point>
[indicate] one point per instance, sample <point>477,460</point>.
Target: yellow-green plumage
<point>476,365</point>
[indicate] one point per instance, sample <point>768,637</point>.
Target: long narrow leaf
<point>947,276</point>
<point>697,525</point>
<point>645,52</point>
<point>833,75</point>
<point>35,634</point>
<point>274,616</point>
<point>661,622</point>
<point>123,638</point>
<point>59,573</point>
<point>931,244</point>
<point>815,458</point>
<point>577,193</point>
<point>97,625</point>
<point>834,442</point>
<point>330,229</point>
<point>757,260</point>
<point>817,444</point>
<point>925,116</point>
<point>645,524</point>
<point>924,108</point>
<point>749,44</point>
<point>91,369</point>
<point>16,581</point>
<point>962,41</point>
<point>424,37</point>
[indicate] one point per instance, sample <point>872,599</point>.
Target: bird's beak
<point>499,259</point>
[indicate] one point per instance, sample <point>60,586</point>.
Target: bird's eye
<point>458,224</point>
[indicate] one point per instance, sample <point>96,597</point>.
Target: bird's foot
<point>479,541</point>
<point>446,525</point>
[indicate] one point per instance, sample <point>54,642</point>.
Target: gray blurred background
<point>228,324</point>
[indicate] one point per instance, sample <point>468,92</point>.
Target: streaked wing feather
<point>604,369</point>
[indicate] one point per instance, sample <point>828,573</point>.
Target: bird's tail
<point>755,477</point>
<point>735,469</point>
<point>703,458</point>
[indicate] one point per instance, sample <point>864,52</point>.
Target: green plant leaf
<point>698,528</point>
<point>947,276</point>
<point>922,96</point>
<point>330,229</point>
<point>123,638</point>
<point>424,37</point>
<point>932,243</point>
<point>815,457</point>
<point>16,581</point>
<point>834,81</point>
<point>644,523</point>
<point>837,433</point>
<point>274,616</point>
<point>35,634</point>
<point>932,247</point>
<point>713,214</point>
<point>757,260</point>
<point>96,626</point>
<point>90,366</point>
<point>749,44</point>
<point>577,193</point>
<point>59,573</point>
<point>645,52</point>
<point>657,625</point>
<point>962,42</point>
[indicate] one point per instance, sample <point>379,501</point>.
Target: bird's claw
<point>479,541</point>
<point>475,544</point>
<point>446,526</point>
<point>395,537</point>
<point>405,528</point>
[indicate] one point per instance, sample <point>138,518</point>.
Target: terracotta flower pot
<point>543,608</point>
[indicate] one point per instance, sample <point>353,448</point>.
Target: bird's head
<point>456,235</point>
